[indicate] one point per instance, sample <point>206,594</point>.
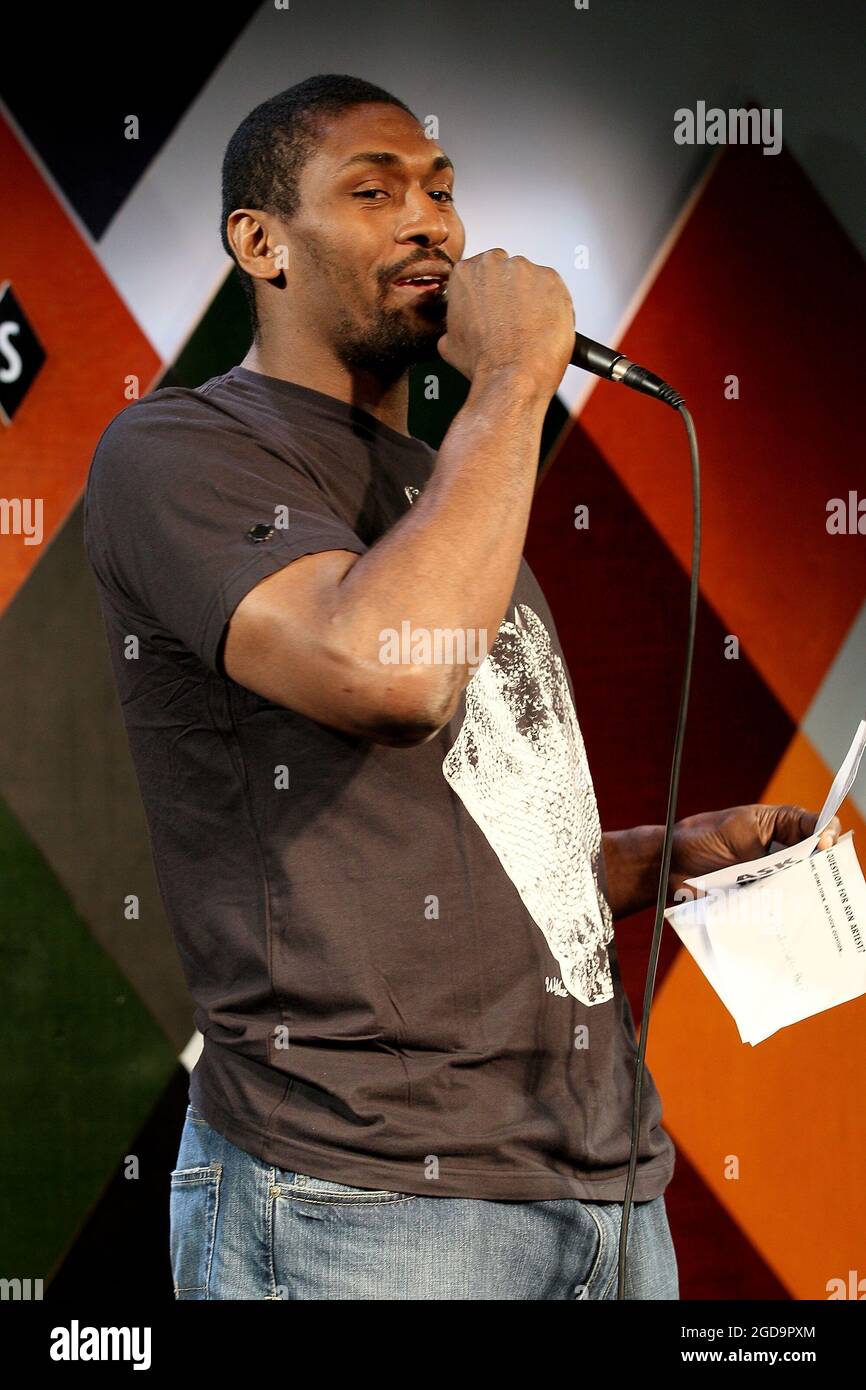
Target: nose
<point>421,220</point>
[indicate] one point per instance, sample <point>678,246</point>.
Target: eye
<point>443,192</point>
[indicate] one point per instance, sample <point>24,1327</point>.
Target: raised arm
<point>310,636</point>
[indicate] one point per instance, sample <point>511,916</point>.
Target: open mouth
<point>422,284</point>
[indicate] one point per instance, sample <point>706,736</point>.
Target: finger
<point>830,834</point>
<point>792,824</point>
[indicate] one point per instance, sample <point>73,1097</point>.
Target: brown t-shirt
<point>402,959</point>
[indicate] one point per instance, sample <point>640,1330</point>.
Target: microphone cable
<point>677,403</point>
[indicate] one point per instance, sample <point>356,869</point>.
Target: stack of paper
<point>783,937</point>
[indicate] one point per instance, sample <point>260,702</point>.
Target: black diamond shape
<point>21,353</point>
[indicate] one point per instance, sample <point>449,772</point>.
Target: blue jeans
<point>243,1229</point>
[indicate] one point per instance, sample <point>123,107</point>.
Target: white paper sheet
<point>783,937</point>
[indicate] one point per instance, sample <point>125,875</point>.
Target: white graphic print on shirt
<point>519,766</point>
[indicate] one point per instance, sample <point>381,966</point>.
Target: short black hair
<point>264,158</point>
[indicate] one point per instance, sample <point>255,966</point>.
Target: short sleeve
<point>184,513</point>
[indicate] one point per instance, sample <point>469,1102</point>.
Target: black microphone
<point>615,366</point>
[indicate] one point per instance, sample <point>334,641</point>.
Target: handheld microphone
<point>615,366</point>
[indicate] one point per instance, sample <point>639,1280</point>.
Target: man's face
<point>364,222</point>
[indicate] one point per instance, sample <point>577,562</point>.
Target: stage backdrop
<point>735,274</point>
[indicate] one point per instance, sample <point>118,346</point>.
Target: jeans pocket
<point>193,1208</point>
<point>308,1189</point>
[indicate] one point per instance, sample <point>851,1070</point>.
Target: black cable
<point>666,851</point>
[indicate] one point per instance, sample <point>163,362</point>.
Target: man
<point>372,819</point>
